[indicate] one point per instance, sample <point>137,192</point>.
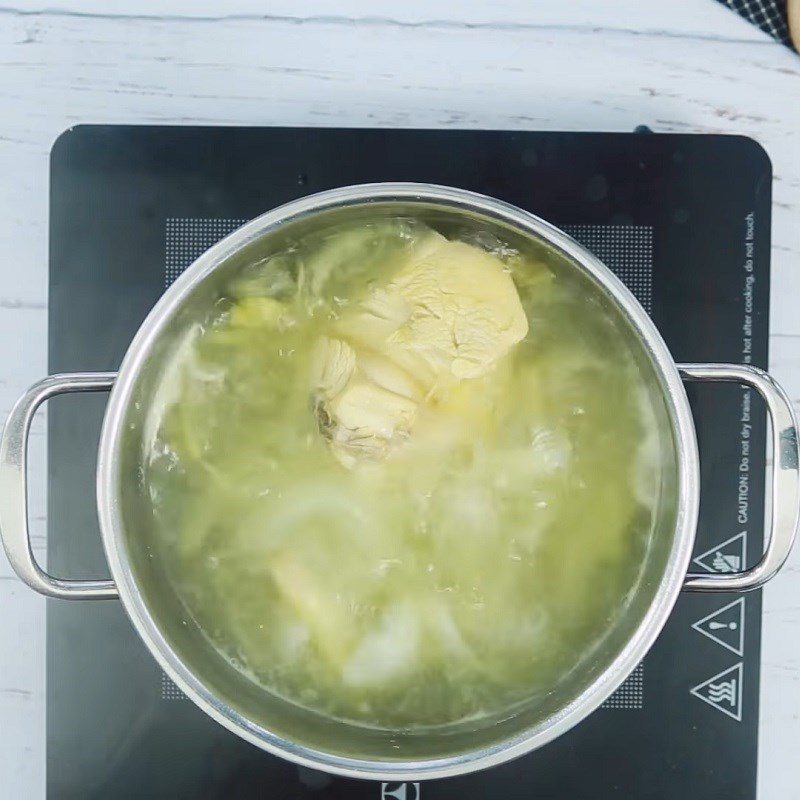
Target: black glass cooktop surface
<point>684,220</point>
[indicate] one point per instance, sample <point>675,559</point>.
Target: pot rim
<point>108,479</point>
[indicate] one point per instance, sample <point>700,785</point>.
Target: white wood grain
<point>678,17</point>
<point>685,65</point>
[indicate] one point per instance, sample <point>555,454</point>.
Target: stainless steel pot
<point>297,734</point>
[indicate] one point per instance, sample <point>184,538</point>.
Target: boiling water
<point>458,572</point>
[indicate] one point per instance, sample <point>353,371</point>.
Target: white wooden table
<point>680,65</point>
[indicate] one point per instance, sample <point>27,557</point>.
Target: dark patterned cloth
<point>769,15</point>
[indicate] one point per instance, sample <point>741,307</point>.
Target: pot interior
<point>297,732</point>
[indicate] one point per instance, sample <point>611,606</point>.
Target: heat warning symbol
<point>726,557</point>
<point>723,691</point>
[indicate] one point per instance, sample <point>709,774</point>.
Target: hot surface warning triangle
<point>723,691</point>
<point>727,556</point>
<point>725,626</point>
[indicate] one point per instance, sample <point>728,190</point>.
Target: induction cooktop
<point>684,220</point>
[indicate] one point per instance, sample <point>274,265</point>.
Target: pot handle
<point>14,488</point>
<point>785,477</point>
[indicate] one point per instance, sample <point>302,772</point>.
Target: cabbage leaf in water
<point>399,478</point>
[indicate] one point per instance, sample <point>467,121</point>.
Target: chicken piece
<point>363,409</point>
<point>449,314</point>
<point>374,319</point>
<point>317,608</point>
<point>333,363</point>
<point>386,374</point>
<point>465,311</point>
<point>367,421</point>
